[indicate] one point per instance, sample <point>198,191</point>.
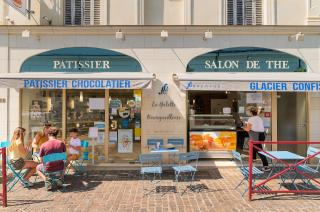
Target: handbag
<point>17,164</point>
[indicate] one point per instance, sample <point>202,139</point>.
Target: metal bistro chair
<point>307,168</point>
<point>150,165</point>
<point>245,170</point>
<point>153,142</point>
<point>15,175</point>
<point>55,176</point>
<point>178,143</point>
<point>78,165</point>
<point>185,168</point>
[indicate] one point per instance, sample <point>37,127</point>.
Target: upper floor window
<point>82,12</point>
<point>244,12</point>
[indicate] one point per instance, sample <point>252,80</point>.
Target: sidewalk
<point>121,191</point>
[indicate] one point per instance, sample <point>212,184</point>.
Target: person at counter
<point>241,133</point>
<point>255,128</point>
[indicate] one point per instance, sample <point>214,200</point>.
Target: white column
<point>187,12</point>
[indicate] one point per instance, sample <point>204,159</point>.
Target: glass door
<point>292,120</point>
<point>124,125</point>
<point>85,109</point>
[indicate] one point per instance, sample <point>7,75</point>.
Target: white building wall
<point>291,12</point>
<point>123,12</point>
<point>162,58</point>
<point>207,12</point>
<point>168,12</point>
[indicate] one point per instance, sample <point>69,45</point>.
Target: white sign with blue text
<point>74,84</point>
<point>251,86</point>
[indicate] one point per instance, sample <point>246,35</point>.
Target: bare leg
<point>40,173</point>
<point>30,165</point>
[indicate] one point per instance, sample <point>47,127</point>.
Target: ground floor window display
<point>116,114</point>
<point>216,119</point>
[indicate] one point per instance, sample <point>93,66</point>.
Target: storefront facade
<point>144,87</point>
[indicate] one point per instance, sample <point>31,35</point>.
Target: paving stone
<point>100,192</point>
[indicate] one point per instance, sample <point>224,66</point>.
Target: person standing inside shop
<point>41,138</point>
<point>255,128</point>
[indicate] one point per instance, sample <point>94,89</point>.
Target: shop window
<point>244,12</point>
<point>82,12</point>
<point>217,118</point>
<point>124,125</point>
<point>39,107</point>
<point>85,109</point>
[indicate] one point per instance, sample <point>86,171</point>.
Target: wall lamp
<point>164,35</point>
<point>208,35</point>
<point>296,37</point>
<point>49,21</point>
<point>9,20</point>
<point>25,33</point>
<point>120,35</point>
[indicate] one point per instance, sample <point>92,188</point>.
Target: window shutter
<point>91,12</point>
<point>67,12</point>
<point>97,6</point>
<point>230,12</point>
<point>87,12</point>
<point>77,12</point>
<point>258,11</point>
<point>240,12</point>
<point>82,12</point>
<point>249,12</point>
<point>244,12</point>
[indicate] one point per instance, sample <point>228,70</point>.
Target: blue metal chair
<point>307,168</point>
<point>185,168</point>
<point>15,176</point>
<point>153,142</point>
<point>56,176</point>
<point>245,170</point>
<point>178,143</point>
<point>78,165</point>
<point>150,165</point>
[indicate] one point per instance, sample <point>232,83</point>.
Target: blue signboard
<point>81,59</point>
<point>246,59</point>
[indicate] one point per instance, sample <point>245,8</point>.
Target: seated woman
<point>40,138</point>
<point>18,153</point>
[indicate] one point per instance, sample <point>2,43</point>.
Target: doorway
<point>292,120</point>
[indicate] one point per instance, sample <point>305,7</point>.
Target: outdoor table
<point>285,156</point>
<point>162,150</point>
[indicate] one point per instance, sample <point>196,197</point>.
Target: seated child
<point>74,146</point>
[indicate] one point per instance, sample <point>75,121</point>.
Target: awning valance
<point>298,82</point>
<point>41,80</point>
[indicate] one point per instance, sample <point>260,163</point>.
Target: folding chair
<point>153,142</point>
<point>54,177</point>
<point>307,168</point>
<point>78,165</point>
<point>150,165</point>
<point>16,175</point>
<point>184,167</point>
<point>245,170</point>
